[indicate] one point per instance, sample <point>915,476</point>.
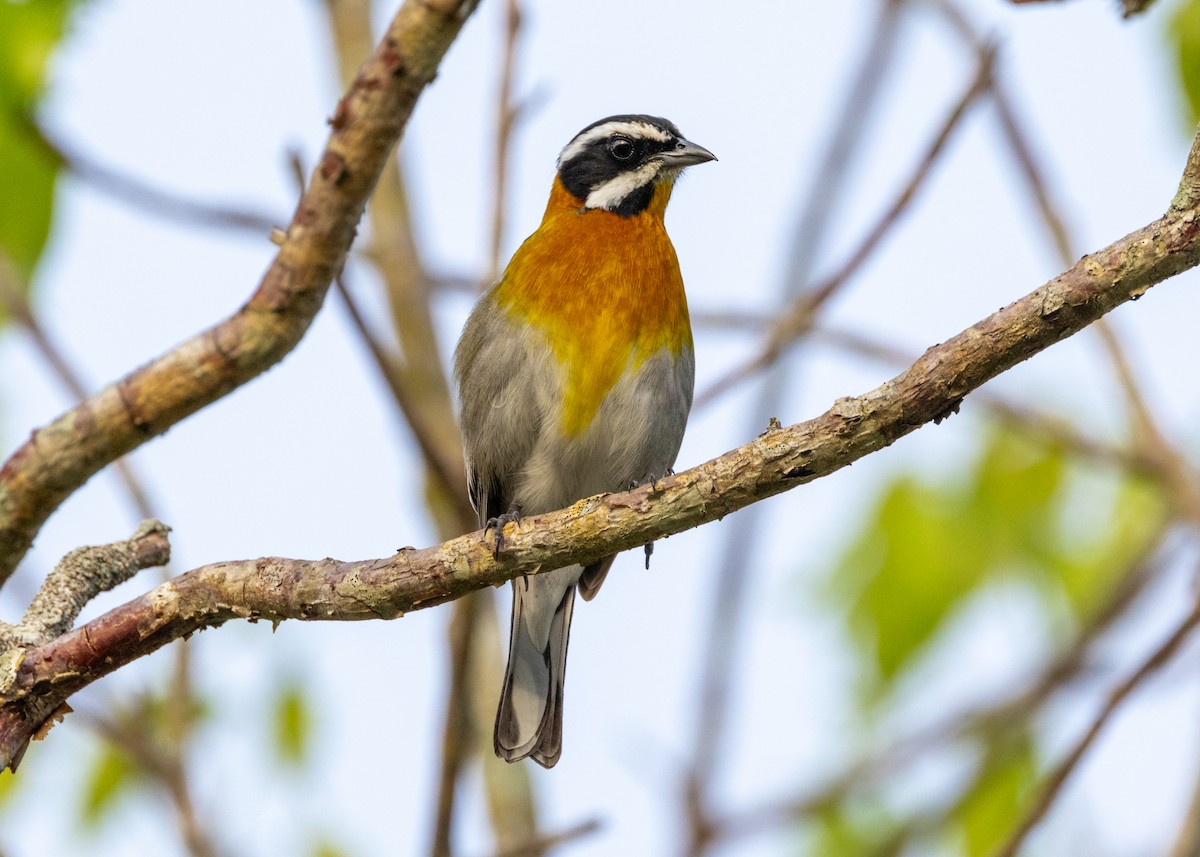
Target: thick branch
<point>778,460</point>
<point>60,457</point>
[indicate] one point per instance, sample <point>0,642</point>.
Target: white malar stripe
<point>636,130</point>
<point>610,194</point>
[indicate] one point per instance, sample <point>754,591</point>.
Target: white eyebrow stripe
<point>640,130</point>
<point>610,194</point>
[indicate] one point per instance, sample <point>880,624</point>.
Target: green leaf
<point>293,724</point>
<point>1133,520</point>
<point>921,568</point>
<point>27,176</point>
<point>928,548</point>
<point>991,809</point>
<point>112,775</point>
<point>324,848</point>
<point>8,785</point>
<point>29,33</point>
<point>1184,36</point>
<point>159,715</point>
<point>1014,501</point>
<point>849,828</point>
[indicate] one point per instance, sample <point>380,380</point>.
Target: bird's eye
<point>621,148</point>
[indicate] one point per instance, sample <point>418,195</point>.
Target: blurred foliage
<point>844,829</point>
<point>989,810</point>
<point>1024,512</point>
<point>137,743</point>
<point>327,849</point>
<point>111,775</point>
<point>293,723</point>
<point>8,785</point>
<point>29,33</point>
<point>1184,35</point>
<point>926,549</point>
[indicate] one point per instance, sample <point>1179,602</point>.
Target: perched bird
<point>575,377</point>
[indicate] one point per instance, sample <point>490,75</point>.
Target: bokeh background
<point>906,650</point>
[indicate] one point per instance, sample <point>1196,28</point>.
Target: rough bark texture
<point>932,388</point>
<point>82,575</point>
<point>60,457</point>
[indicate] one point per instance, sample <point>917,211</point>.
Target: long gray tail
<point>529,720</point>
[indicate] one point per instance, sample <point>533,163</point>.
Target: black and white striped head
<point>616,163</point>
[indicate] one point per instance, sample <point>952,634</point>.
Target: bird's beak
<point>686,154</point>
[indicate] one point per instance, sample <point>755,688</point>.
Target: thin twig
<point>1175,471</point>
<point>996,720</point>
<point>1187,841</point>
<point>78,578</point>
<point>1129,8</point>
<point>166,768</point>
<point>415,377</point>
<point>459,727</point>
<point>448,473</point>
<point>727,611</point>
<point>796,320</point>
<point>542,845</point>
<point>16,303</point>
<point>1022,151</point>
<point>1054,783</point>
<point>506,118</point>
<point>143,195</point>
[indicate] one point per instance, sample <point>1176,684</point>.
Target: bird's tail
<point>529,720</point>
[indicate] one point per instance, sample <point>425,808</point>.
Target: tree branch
<point>778,460</point>
<point>82,575</point>
<point>60,457</point>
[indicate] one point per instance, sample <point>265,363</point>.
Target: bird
<point>574,374</point>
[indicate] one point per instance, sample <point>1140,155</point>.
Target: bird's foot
<point>653,480</point>
<point>512,516</point>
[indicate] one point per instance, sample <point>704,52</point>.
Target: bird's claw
<point>512,516</point>
<point>652,480</point>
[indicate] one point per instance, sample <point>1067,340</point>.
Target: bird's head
<point>616,164</point>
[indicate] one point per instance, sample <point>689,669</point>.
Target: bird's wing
<point>500,416</point>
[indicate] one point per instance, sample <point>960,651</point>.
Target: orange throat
<point>604,290</point>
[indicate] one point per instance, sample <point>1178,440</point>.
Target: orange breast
<point>606,291</point>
